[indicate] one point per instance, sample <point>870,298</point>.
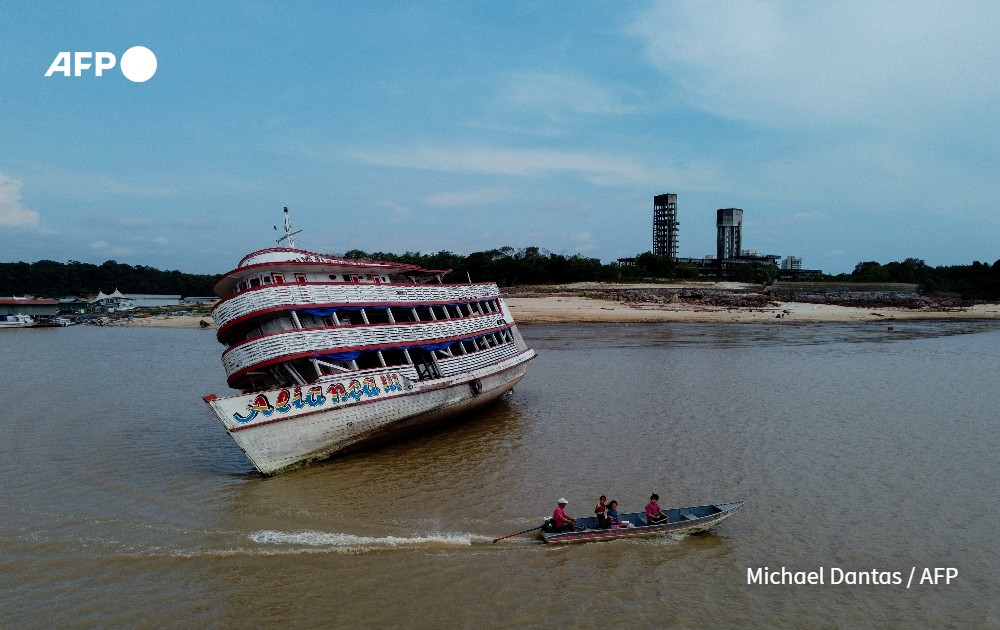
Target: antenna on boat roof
<point>289,234</point>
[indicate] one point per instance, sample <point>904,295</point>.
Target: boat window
<point>394,357</point>
<point>328,366</point>
<point>425,364</point>
<point>368,361</point>
<point>356,279</point>
<point>333,277</point>
<point>402,314</point>
<point>377,316</point>
<point>266,280</point>
<point>300,277</point>
<point>254,282</point>
<point>425,314</point>
<point>278,278</point>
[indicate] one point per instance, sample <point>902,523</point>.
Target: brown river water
<point>856,449</point>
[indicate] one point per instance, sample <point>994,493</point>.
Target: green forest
<point>51,279</point>
<point>506,266</point>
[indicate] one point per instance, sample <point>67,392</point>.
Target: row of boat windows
<point>283,278</point>
<point>391,357</point>
<point>401,314</point>
<point>303,371</point>
<point>370,315</point>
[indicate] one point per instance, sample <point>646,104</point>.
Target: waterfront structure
<point>333,354</point>
<point>665,225</point>
<point>729,233</point>
<point>110,303</point>
<point>791,263</point>
<point>28,306</point>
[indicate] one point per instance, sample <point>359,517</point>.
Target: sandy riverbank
<point>168,321</point>
<point>574,309</point>
<point>581,309</point>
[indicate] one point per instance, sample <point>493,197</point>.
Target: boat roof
<point>16,301</point>
<point>286,259</point>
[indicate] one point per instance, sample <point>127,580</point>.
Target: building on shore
<point>28,306</point>
<point>791,263</point>
<point>111,303</point>
<point>730,260</point>
<point>729,233</point>
<point>665,225</point>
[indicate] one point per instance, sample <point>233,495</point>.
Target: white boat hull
<point>16,321</point>
<point>282,428</point>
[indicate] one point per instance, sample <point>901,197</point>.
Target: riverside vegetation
<point>507,266</point>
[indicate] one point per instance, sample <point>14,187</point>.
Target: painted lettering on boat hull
<point>286,400</point>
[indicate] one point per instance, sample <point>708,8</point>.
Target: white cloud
<point>107,249</point>
<point>397,211</point>
<point>12,211</point>
<point>467,198</point>
<point>558,95</point>
<point>799,64</point>
<point>596,168</point>
<point>807,217</point>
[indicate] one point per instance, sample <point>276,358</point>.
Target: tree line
<point>51,279</point>
<point>978,281</point>
<point>507,266</point>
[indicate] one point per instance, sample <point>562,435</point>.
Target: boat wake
<point>351,542</point>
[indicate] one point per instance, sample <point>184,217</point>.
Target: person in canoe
<point>613,518</point>
<point>560,521</point>
<point>654,515</point>
<point>602,512</point>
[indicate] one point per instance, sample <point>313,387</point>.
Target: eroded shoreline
<point>691,302</point>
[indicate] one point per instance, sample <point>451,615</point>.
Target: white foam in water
<point>339,540</point>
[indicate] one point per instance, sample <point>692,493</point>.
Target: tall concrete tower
<point>729,222</point>
<point>665,225</point>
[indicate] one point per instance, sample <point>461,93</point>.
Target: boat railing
<point>293,295</point>
<point>292,343</point>
<point>452,366</point>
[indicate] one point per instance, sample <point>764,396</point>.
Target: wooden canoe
<point>686,520</point>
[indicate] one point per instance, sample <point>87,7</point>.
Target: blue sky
<point>847,131</point>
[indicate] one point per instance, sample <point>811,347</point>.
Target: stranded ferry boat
<point>334,354</point>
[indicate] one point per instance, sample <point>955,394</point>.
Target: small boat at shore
<point>686,520</point>
<point>54,322</point>
<point>333,354</point>
<point>17,321</point>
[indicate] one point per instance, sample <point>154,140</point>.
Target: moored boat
<point>16,321</point>
<point>687,520</point>
<point>333,354</point>
<point>54,322</point>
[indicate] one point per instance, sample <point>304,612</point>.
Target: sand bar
<point>570,309</point>
<point>575,309</point>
